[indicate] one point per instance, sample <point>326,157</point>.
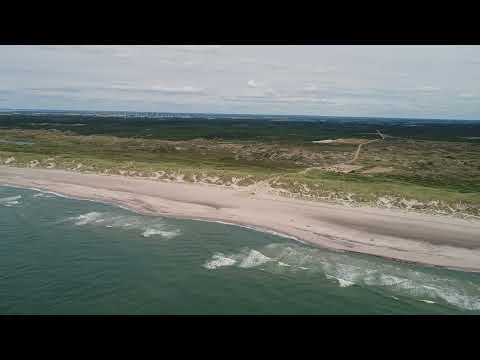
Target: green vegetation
<point>292,130</point>
<point>434,167</point>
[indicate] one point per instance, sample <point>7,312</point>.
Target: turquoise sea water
<point>65,256</point>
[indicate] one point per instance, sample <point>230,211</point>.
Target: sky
<point>380,81</point>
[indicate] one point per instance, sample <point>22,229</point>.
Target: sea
<point>67,256</point>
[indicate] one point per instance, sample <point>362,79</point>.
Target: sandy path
<point>357,153</point>
<point>433,240</point>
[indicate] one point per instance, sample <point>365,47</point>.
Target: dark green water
<point>64,256</point>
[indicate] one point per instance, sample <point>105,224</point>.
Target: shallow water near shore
<point>66,256</point>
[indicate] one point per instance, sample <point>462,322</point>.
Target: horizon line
<point>248,114</point>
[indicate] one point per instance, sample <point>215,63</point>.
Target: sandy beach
<point>427,239</point>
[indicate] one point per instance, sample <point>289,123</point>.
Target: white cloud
<point>323,69</point>
<point>116,50</point>
<point>467,95</point>
<point>277,99</point>
<point>270,92</point>
<point>157,88</point>
<point>428,88</point>
<point>122,87</point>
<point>195,48</point>
<point>369,80</point>
<point>177,90</point>
<point>310,88</point>
<point>123,52</point>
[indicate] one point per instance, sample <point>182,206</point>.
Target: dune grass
<point>422,170</point>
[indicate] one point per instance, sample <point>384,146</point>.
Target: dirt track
<point>357,153</point>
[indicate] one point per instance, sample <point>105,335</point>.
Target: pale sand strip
<point>433,240</point>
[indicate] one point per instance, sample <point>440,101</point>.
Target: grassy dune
<point>440,176</point>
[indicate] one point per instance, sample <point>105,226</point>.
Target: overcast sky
<point>390,81</point>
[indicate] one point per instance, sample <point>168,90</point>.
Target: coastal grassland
<point>141,157</point>
<point>389,191</point>
<point>432,175</point>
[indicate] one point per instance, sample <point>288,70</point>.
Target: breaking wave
<point>255,228</point>
<point>219,260</point>
<point>10,201</point>
<point>341,282</point>
<point>346,270</point>
<point>149,227</point>
<point>89,218</point>
<point>43,195</point>
<point>164,233</point>
<point>427,301</point>
<point>254,258</point>
<point>247,258</point>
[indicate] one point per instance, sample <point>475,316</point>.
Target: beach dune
<point>427,239</point>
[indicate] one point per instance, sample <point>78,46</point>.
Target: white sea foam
<point>255,228</point>
<point>219,260</point>
<point>88,218</point>
<point>43,195</point>
<point>10,198</point>
<point>148,226</point>
<point>10,201</point>
<point>427,301</point>
<point>166,234</point>
<point>246,259</point>
<point>347,270</point>
<point>52,193</point>
<point>48,193</point>
<point>254,258</point>
<point>341,282</point>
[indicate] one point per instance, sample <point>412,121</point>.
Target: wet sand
<point>427,239</point>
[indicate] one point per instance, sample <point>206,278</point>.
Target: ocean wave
<point>88,218</point>
<point>43,195</point>
<point>427,301</point>
<point>10,200</point>
<point>341,282</point>
<point>164,233</point>
<point>346,270</point>
<point>251,227</point>
<point>247,258</point>
<point>147,226</point>
<point>254,258</point>
<point>219,260</point>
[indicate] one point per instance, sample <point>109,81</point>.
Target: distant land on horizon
<point>220,115</point>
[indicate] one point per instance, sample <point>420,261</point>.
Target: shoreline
<point>419,238</point>
<point>112,203</point>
